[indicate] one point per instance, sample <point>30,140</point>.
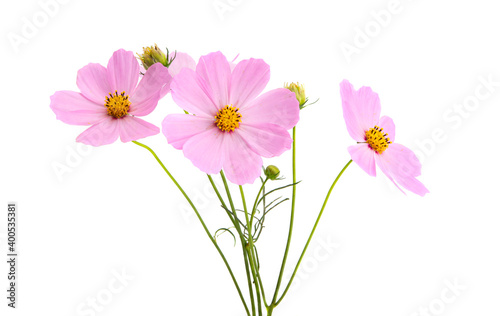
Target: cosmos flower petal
<point>102,133</point>
<point>241,164</point>
<point>123,72</point>
<point>384,166</point>
<point>147,93</point>
<point>178,128</point>
<point>182,60</point>
<point>363,156</point>
<point>205,150</point>
<point>361,109</point>
<point>193,94</point>
<point>249,78</point>
<point>402,166</point>
<point>133,128</point>
<point>215,71</point>
<point>265,139</point>
<point>93,83</point>
<point>387,124</point>
<point>73,108</point>
<point>278,106</point>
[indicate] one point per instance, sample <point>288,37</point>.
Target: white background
<point>389,254</point>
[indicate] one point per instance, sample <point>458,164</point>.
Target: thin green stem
<point>254,209</point>
<point>257,266</point>
<point>201,221</point>
<point>250,250</point>
<point>313,230</point>
<point>290,230</point>
<point>242,238</point>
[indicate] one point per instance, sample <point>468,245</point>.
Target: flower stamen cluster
<point>117,104</point>
<point>377,140</point>
<point>228,119</point>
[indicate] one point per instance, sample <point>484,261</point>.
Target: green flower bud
<point>272,172</point>
<point>299,91</point>
<point>152,55</point>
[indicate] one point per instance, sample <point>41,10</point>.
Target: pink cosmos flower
<point>110,100</point>
<point>232,126</point>
<point>375,136</point>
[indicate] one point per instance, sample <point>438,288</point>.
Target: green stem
<point>242,238</point>
<point>313,230</point>
<point>250,250</point>
<point>254,209</point>
<point>294,190</point>
<point>201,221</point>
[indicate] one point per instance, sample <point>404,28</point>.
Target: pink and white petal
<point>383,164</point>
<point>123,72</point>
<point>241,164</point>
<point>182,60</point>
<point>104,133</point>
<point>146,106</point>
<point>363,156</point>
<point>73,108</point>
<point>155,78</point>
<point>193,94</point>
<point>402,166</point>
<point>249,78</point>
<point>405,159</point>
<point>361,109</point>
<point>232,63</point>
<point>147,94</point>
<point>267,140</point>
<point>413,185</point>
<point>215,71</point>
<point>387,124</point>
<point>133,128</point>
<point>93,83</point>
<point>164,91</point>
<point>205,150</point>
<point>278,106</point>
<point>179,128</point>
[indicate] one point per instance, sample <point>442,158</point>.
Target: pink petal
<point>248,80</point>
<point>267,140</point>
<point>361,109</point>
<point>241,164</point>
<point>92,81</point>
<point>164,91</point>
<point>278,106</point>
<point>182,60</point>
<point>401,166</point>
<point>103,133</point>
<point>193,94</point>
<point>133,128</point>
<point>205,150</point>
<point>363,155</point>
<point>123,72</point>
<point>147,94</point>
<point>73,108</point>
<point>388,125</point>
<point>214,69</point>
<point>179,128</point>
<point>232,63</point>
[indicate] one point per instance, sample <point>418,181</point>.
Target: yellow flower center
<point>117,104</point>
<point>377,140</point>
<point>228,119</point>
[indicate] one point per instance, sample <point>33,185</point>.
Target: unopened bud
<point>299,91</point>
<point>272,172</point>
<point>152,55</point>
